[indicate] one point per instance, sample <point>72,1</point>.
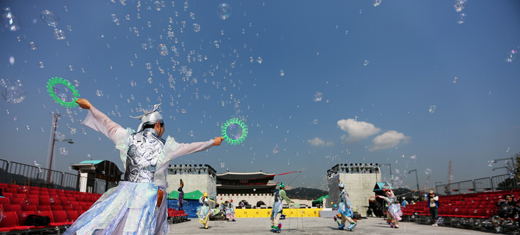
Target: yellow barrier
<point>266,213</point>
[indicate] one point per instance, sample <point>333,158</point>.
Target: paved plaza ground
<point>312,225</point>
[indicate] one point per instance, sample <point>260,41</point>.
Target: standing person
<point>433,204</point>
<point>506,209</point>
<point>137,205</point>
<point>204,212</point>
<point>393,212</point>
<point>345,209</point>
<point>404,203</point>
<point>181,195</point>
<point>230,211</point>
<point>277,210</point>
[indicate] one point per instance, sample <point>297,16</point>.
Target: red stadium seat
<point>44,200</point>
<point>12,207</point>
<point>56,208</point>
<point>19,195</point>
<point>72,215</point>
<point>33,201</point>
<point>10,222</point>
<point>4,201</point>
<point>19,201</point>
<point>11,190</point>
<point>60,218</point>
<point>30,195</point>
<point>29,208</point>
<point>68,208</point>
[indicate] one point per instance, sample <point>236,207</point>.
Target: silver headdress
<point>149,117</point>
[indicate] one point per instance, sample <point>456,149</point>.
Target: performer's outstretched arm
<point>99,121</point>
<point>184,149</point>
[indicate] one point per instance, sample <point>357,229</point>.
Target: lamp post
<point>53,141</point>
<point>416,178</point>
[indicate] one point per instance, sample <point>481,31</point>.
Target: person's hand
<point>348,206</point>
<point>84,104</point>
<point>218,141</point>
<point>292,202</point>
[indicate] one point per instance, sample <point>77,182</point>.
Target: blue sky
<point>373,113</point>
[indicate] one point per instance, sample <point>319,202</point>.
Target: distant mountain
<point>306,193</point>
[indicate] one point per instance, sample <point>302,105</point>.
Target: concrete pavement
<point>312,225</point>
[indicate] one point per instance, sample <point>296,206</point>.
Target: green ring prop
<point>50,88</point>
<point>238,122</point>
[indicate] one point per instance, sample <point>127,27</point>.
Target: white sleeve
<point>100,122</point>
<point>183,149</point>
<point>436,198</point>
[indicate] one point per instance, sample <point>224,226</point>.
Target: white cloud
<point>317,142</point>
<point>389,139</point>
<point>357,130</point>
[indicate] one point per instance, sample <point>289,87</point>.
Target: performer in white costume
<point>137,205</point>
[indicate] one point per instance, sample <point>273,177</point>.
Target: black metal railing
<point>24,174</point>
<point>494,183</point>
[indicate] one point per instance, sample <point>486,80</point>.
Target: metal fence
<point>23,174</point>
<point>494,183</point>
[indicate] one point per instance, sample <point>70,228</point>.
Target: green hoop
<point>238,122</point>
<point>50,88</point>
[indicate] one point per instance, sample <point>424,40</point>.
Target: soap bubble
<point>366,63</point>
<point>157,5</point>
<point>27,127</point>
<point>195,27</point>
<point>282,73</point>
<point>11,60</point>
<point>432,108</point>
<point>37,164</point>
<point>99,93</point>
<point>259,60</point>
<point>491,163</point>
<point>59,34</point>
<point>511,56</point>
<point>315,121</point>
<point>5,82</point>
<point>41,65</point>
<point>397,171</point>
<point>460,5</point>
<point>318,96</point>
<point>10,20</point>
<point>276,149</point>
<point>224,11</point>
<point>33,46</point>
<point>462,18</point>
<point>50,18</point>
<point>64,151</point>
<point>222,165</point>
<point>162,49</point>
<point>59,136</point>
<point>427,171</point>
<point>377,3</point>
<point>13,94</point>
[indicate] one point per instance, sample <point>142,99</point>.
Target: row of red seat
<point>41,202</point>
<point>477,205</point>
<point>63,207</point>
<point>14,221</point>
<point>175,216</point>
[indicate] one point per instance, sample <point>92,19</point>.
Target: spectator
<point>433,204</point>
<point>506,209</point>
<point>404,203</point>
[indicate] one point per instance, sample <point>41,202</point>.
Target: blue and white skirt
<point>130,208</point>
